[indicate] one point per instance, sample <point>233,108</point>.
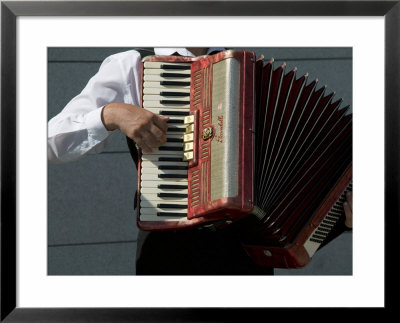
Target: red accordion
<point>246,143</point>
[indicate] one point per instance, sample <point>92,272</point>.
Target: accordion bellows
<point>303,159</point>
<point>264,149</point>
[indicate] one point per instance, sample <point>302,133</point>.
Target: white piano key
<point>153,170</point>
<point>179,125</point>
<point>156,164</point>
<point>154,198</point>
<point>153,97</point>
<point>157,104</point>
<point>156,190</point>
<point>154,217</point>
<point>154,184</point>
<point>152,84</point>
<point>151,210</point>
<point>157,91</point>
<point>153,204</point>
<point>154,177</point>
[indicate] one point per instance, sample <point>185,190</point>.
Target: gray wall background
<point>91,222</point>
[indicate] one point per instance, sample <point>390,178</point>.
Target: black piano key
<point>171,187</point>
<point>172,167</point>
<point>174,75</point>
<point>177,195</point>
<point>174,102</point>
<point>170,159</point>
<point>174,94</point>
<point>171,214</point>
<point>175,67</point>
<point>176,121</point>
<point>174,113</point>
<point>175,83</point>
<point>168,148</point>
<point>172,176</point>
<point>171,206</point>
<point>176,129</point>
<point>174,140</point>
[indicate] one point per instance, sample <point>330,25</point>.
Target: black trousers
<point>193,252</point>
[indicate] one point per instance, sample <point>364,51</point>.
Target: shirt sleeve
<point>78,128</point>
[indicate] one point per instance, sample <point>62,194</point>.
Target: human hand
<point>146,129</point>
<point>348,210</point>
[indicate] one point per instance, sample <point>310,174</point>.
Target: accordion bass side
<point>249,146</point>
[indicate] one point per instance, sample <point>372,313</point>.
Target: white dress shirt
<point>78,128</point>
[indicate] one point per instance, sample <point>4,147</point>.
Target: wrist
<point>108,117</point>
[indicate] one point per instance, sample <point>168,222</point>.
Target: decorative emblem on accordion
<point>247,144</point>
<point>207,133</point>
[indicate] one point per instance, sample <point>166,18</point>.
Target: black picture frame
<point>10,10</point>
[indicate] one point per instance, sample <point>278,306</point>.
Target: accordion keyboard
<point>164,171</point>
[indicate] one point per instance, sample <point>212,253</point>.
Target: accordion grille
<point>204,182</point>
<point>197,95</point>
<point>225,117</point>
<point>195,188</point>
<point>206,87</point>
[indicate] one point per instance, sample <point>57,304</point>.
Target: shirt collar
<point>182,51</point>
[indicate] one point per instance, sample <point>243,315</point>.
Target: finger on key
<point>161,122</point>
<point>154,137</point>
<point>142,144</point>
